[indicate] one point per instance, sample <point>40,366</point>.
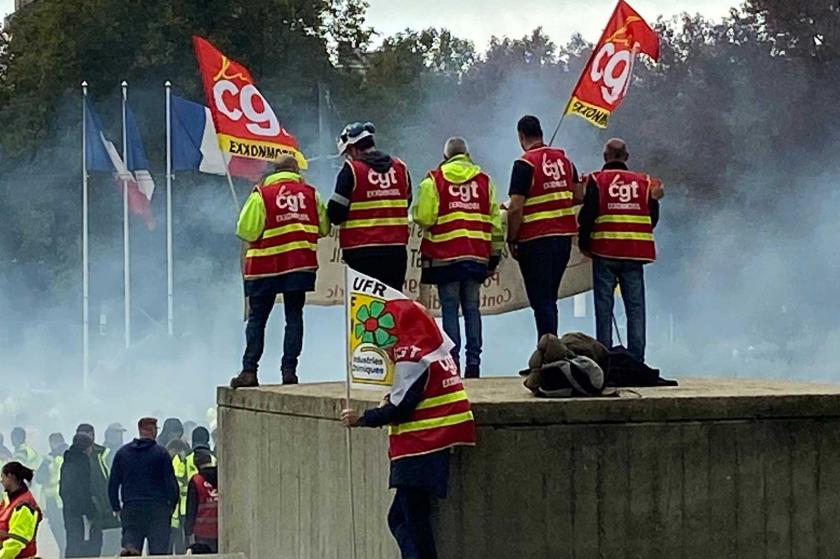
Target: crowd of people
<point>158,492</point>
<point>612,212</point>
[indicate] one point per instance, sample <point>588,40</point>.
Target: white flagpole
<point>230,183</point>
<point>349,438</point>
<point>85,255</point>
<point>126,247</point>
<point>170,275</point>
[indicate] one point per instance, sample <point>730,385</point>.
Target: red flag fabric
<point>606,77</point>
<point>246,125</point>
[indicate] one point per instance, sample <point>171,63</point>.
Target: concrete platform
<point>713,468</point>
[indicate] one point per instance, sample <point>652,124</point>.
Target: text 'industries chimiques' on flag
<point>606,77</point>
<point>246,125</point>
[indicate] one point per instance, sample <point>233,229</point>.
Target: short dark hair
<point>529,126</point>
<point>364,143</point>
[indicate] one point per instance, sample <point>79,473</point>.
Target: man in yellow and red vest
<point>620,211</point>
<point>202,522</point>
<point>541,220</point>
<point>281,221</point>
<point>462,243</point>
<point>428,414</point>
<point>370,203</point>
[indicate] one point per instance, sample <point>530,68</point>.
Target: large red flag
<point>246,125</point>
<point>606,77</point>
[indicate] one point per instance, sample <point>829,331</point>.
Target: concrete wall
<point>711,469</point>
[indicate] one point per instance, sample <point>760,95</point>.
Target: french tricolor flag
<point>195,147</point>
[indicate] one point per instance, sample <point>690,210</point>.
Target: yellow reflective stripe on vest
<point>550,214</point>
<point>550,197</point>
<point>435,401</point>
<point>288,247</point>
<point>375,222</point>
<point>433,423</point>
<point>462,216</point>
<point>458,233</point>
<point>640,219</point>
<point>291,228</point>
<point>377,204</point>
<point>623,236</point>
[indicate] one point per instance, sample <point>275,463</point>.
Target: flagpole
<point>85,254</point>
<point>230,183</point>
<point>348,437</point>
<point>126,246</point>
<point>170,275</point>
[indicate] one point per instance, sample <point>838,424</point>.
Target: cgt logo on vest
<point>466,196</point>
<point>290,202</point>
<point>623,191</point>
<point>383,180</point>
<point>553,168</point>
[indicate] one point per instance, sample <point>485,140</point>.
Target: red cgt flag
<point>246,125</point>
<point>606,77</point>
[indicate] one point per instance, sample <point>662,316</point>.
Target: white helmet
<point>354,133</point>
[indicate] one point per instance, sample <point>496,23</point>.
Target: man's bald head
<point>455,146</point>
<point>287,163</point>
<point>615,150</point>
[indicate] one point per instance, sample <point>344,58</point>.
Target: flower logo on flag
<point>373,325</point>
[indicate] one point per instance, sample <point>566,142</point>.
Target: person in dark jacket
<point>77,497</point>
<point>143,490</point>
<point>385,260</point>
<point>99,473</point>
<point>172,429</point>
<point>202,522</point>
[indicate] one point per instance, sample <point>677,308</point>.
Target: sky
<point>478,20</point>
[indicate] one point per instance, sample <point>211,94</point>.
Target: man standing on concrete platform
<point>541,220</point>
<point>370,203</point>
<point>428,413</point>
<point>281,221</point>
<point>620,211</point>
<point>462,243</point>
<point>144,491</point>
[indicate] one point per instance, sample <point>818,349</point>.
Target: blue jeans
<point>630,275</point>
<point>259,308</point>
<point>543,263</point>
<point>463,295</point>
<point>410,521</point>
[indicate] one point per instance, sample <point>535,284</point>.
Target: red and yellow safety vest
<point>207,517</point>
<point>442,419</point>
<point>549,207</point>
<point>462,229</point>
<point>623,228</point>
<point>290,239</point>
<point>378,213</point>
<point>7,509</point>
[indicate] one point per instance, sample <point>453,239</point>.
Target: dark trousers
<point>77,544</point>
<point>212,544</point>
<point>259,308</point>
<point>630,276</point>
<point>466,296</point>
<point>410,521</point>
<point>543,263</point>
<point>55,517</point>
<point>147,521</point>
<point>388,266</point>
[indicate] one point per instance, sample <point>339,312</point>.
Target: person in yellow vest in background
<point>200,443</point>
<point>462,243</point>
<point>179,450</point>
<point>5,452</point>
<point>19,513</point>
<point>620,211</point>
<point>370,204</point>
<point>428,414</point>
<point>49,476</point>
<point>22,452</point>
<point>281,221</point>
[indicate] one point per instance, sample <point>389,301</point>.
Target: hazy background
<point>738,119</point>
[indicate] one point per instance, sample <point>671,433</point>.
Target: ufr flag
<point>371,331</point>
<point>195,147</point>
<point>246,125</point>
<point>606,77</point>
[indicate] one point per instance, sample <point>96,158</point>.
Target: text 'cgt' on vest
<point>623,229</point>
<point>463,229</point>
<point>549,207</point>
<point>378,213</point>
<point>289,241</point>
